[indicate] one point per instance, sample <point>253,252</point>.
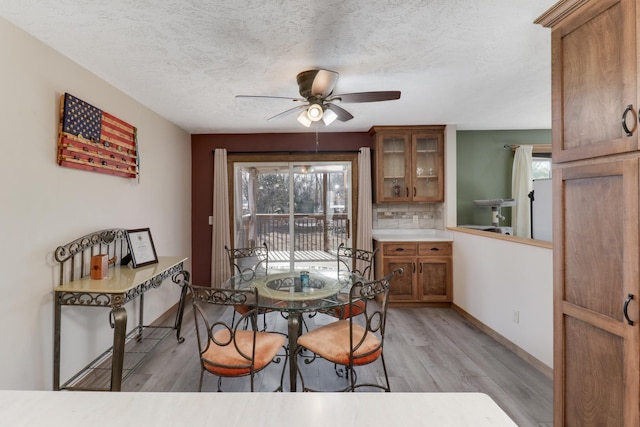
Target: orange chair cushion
<point>331,342</point>
<point>346,311</point>
<point>242,309</point>
<point>267,346</point>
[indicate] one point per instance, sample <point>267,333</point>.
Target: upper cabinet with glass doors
<point>409,164</point>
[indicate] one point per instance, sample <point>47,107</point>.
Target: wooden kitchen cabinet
<point>409,164</point>
<point>596,350</point>
<point>596,173</point>
<point>594,78</point>
<point>427,271</point>
<point>434,275</point>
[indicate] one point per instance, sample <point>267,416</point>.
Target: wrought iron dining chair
<point>244,263</point>
<point>355,341</point>
<point>351,261</point>
<point>360,263</point>
<point>227,349</point>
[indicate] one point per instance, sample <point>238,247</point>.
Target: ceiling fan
<point>318,100</point>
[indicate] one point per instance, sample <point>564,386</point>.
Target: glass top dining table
<point>287,291</point>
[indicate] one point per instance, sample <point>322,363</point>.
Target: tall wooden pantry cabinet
<point>596,211</point>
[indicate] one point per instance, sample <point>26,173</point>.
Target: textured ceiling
<point>477,64</point>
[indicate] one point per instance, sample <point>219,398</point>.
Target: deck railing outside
<point>312,232</point>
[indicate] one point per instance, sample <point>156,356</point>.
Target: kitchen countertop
<point>412,235</point>
<point>78,408</point>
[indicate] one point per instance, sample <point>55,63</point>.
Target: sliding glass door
<point>301,210</point>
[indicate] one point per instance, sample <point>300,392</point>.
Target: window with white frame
<point>541,167</point>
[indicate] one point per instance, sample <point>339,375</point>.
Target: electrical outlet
<point>415,219</point>
<point>515,316</point>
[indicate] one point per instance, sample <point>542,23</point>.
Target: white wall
<point>43,205</point>
<point>493,277</point>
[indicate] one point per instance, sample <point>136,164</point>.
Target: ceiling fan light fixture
<point>320,103</point>
<point>303,119</point>
<point>314,112</point>
<point>329,117</point>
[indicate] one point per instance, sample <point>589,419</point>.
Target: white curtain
<point>253,221</point>
<point>220,230</point>
<point>521,186</point>
<point>365,208</point>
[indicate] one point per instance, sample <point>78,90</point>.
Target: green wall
<point>484,170</point>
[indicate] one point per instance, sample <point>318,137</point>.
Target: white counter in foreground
<point>95,409</point>
<point>409,235</point>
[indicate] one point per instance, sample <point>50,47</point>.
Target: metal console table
<point>122,285</point>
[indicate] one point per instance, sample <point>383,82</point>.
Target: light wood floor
<point>426,350</point>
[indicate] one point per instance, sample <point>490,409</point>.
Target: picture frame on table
<point>141,248</point>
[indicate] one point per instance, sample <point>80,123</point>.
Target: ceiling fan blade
<point>272,97</point>
<point>367,96</point>
<point>287,112</point>
<point>316,83</point>
<point>343,115</point>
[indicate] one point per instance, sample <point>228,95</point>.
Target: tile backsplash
<point>401,215</point>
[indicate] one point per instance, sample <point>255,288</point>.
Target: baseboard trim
<point>531,360</point>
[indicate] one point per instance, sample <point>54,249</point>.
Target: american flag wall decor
<point>93,140</point>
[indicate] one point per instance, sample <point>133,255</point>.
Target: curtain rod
<point>537,148</point>
<point>287,152</point>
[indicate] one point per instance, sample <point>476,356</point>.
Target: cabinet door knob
<point>624,120</point>
<point>435,249</point>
